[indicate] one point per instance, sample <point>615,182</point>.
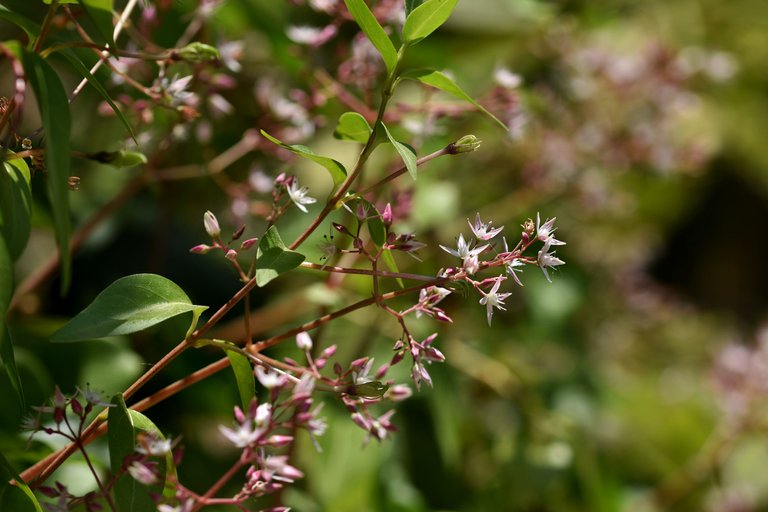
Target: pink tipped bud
<point>328,352</point>
<point>211,224</point>
<point>77,407</point>
<point>279,440</point>
<point>396,358</point>
<point>386,215</point>
<point>337,369</point>
<point>201,249</point>
<point>382,371</point>
<point>281,179</point>
<point>398,393</point>
<point>231,255</point>
<point>358,364</point>
<point>237,234</point>
<point>247,244</point>
<point>303,341</point>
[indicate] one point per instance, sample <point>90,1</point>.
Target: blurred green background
<point>639,125</point>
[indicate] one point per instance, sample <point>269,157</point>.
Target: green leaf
<point>426,18</point>
<point>274,258</point>
<point>76,63</point>
<point>377,230</point>
<point>337,170</point>
<point>370,26</point>
<point>31,28</point>
<point>410,5</point>
<point>390,261</point>
<point>15,205</point>
<point>128,305</point>
<point>54,110</point>
<point>246,385</point>
<point>406,153</point>
<point>18,497</point>
<point>98,20</point>
<point>124,426</point>
<point>6,345</point>
<point>119,159</point>
<point>352,126</point>
<point>441,81</point>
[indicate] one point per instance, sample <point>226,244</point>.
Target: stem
<point>46,26</point>
<point>366,272</point>
<point>370,145</point>
<point>226,477</point>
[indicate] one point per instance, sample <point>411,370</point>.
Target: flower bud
<point>231,255</point>
<point>201,249</point>
<point>386,215</point>
<point>198,52</point>
<point>466,144</point>
<point>238,233</point>
<point>247,244</point>
<point>211,224</point>
<point>303,341</point>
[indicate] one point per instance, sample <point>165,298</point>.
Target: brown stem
<point>46,25</point>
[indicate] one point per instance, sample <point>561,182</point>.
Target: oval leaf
<point>337,170</point>
<point>444,83</point>
<point>426,18</point>
<point>352,126</point>
<point>15,206</point>
<point>408,156</point>
<point>410,5</point>
<point>373,31</point>
<point>274,258</point>
<point>128,305</point>
<point>124,425</point>
<point>246,385</point>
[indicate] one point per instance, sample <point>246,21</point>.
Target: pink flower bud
<point>386,215</point>
<point>279,440</point>
<point>201,249</point>
<point>211,224</point>
<point>328,352</point>
<point>303,341</point>
<point>231,255</point>
<point>247,244</point>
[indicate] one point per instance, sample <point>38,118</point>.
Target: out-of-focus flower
<point>310,35</point>
<point>304,341</point>
<point>494,299</point>
<point>299,195</point>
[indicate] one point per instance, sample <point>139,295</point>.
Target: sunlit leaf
<point>130,304</point>
<point>274,258</point>
<point>371,28</point>
<point>246,385</point>
<point>15,205</point>
<point>352,126</point>
<point>406,153</point>
<point>444,83</point>
<point>426,18</point>
<point>124,426</point>
<point>410,5</point>
<point>337,170</point>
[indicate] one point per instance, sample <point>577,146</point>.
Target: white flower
<point>548,259</point>
<point>545,232</point>
<point>483,231</point>
<point>243,436</point>
<point>299,195</point>
<point>268,378</point>
<point>493,299</point>
<point>512,266</point>
<point>463,249</point>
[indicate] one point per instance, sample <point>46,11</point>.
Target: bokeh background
<point>634,382</point>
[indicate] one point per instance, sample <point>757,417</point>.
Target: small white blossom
<point>548,259</point>
<point>494,299</point>
<point>299,195</point>
<point>483,231</point>
<point>268,378</point>
<point>464,249</point>
<point>545,232</point>
<point>303,341</point>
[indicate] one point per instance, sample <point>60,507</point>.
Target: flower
<point>299,195</point>
<point>512,266</point>
<point>494,299</point>
<point>252,427</point>
<point>303,341</point>
<point>483,231</point>
<point>548,259</point>
<point>211,224</point>
<point>545,232</point>
<point>463,249</point>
